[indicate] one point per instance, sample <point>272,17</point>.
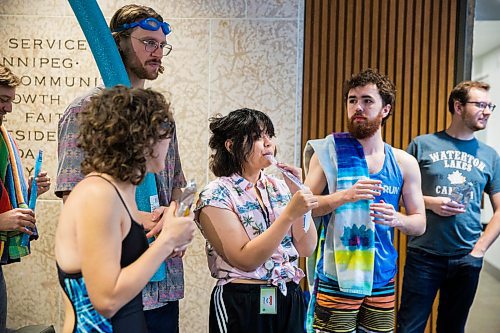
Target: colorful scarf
<point>349,250</point>
<point>14,194</point>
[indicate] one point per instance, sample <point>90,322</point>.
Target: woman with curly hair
<point>102,253</point>
<point>254,226</point>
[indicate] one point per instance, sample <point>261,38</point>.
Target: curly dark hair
<point>386,88</point>
<point>119,128</point>
<point>242,127</point>
<point>461,92</point>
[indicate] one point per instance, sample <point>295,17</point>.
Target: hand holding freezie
<point>296,181</point>
<point>187,199</point>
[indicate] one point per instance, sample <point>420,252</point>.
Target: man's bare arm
<point>413,222</point>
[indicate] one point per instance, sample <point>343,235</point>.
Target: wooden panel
<point>411,41</point>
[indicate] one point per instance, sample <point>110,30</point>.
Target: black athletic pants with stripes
<point>235,307</point>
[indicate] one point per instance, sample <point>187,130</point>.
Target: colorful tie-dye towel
<point>349,250</point>
<point>13,194</point>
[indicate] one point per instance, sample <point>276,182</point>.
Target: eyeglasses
<point>150,45</point>
<point>482,105</point>
<point>149,23</point>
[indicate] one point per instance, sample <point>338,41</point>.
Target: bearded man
<point>359,180</point>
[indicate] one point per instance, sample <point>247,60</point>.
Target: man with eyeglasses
<point>140,35</point>
<point>456,169</point>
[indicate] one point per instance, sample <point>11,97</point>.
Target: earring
<point>229,144</point>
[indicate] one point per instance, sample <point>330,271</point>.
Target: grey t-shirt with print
<point>445,164</point>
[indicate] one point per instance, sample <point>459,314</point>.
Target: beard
<point>133,64</point>
<point>471,122</point>
<point>365,129</point>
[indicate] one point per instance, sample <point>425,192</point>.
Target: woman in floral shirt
<point>254,226</point>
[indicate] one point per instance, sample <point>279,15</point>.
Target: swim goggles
<point>149,23</point>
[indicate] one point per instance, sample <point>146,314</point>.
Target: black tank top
<point>130,318</point>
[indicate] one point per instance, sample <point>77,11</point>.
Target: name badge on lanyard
<point>154,202</point>
<point>268,300</point>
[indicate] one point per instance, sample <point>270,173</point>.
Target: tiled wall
<point>227,54</point>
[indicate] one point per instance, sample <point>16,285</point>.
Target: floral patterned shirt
<point>236,194</point>
<point>69,173</point>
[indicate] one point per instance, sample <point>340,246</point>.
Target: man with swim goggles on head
<point>142,44</point>
<point>140,35</point>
